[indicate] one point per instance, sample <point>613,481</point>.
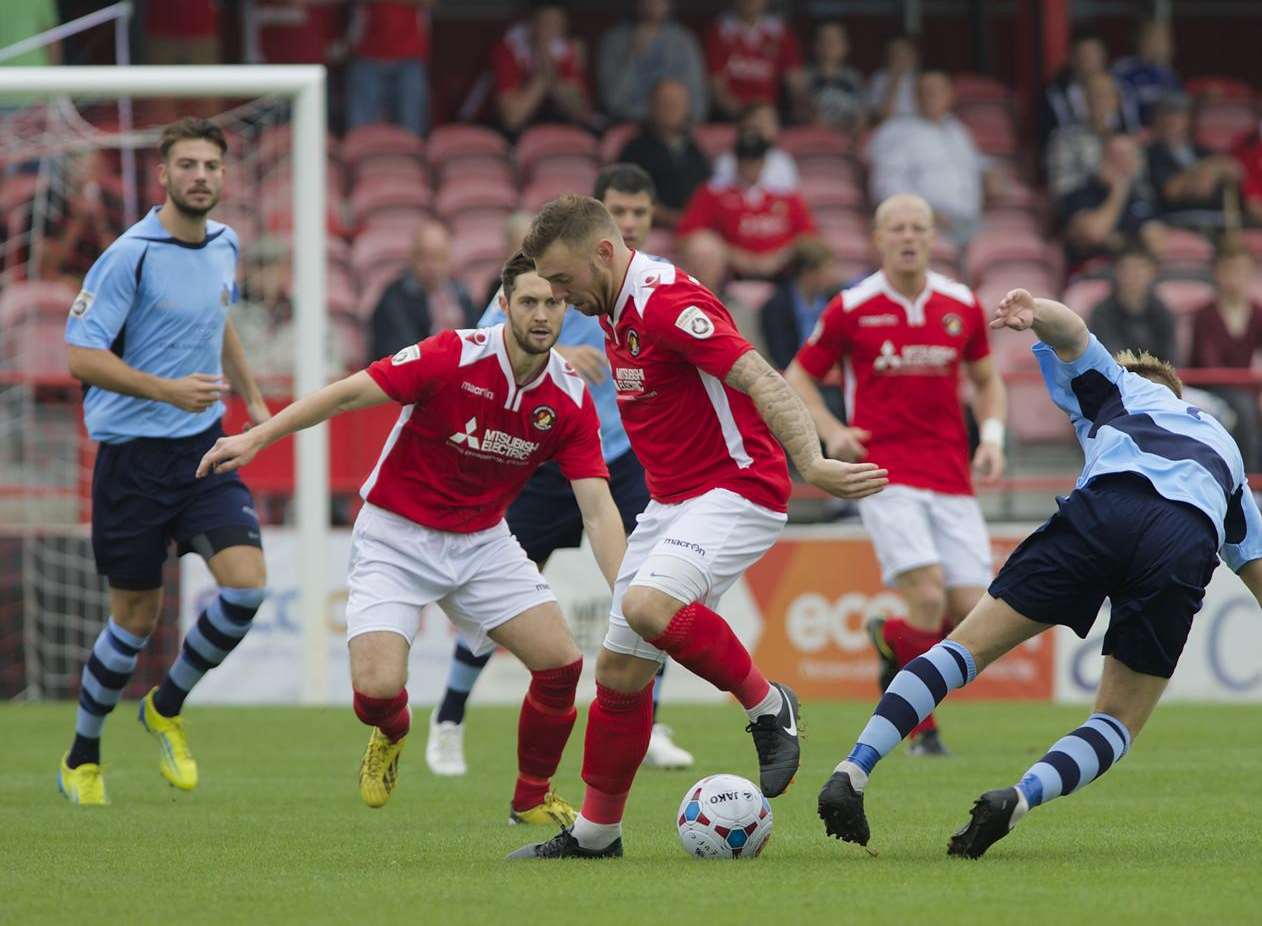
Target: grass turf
<point>276,832</point>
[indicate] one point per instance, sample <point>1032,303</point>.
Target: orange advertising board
<point>815,594</point>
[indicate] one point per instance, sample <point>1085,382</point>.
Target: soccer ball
<point>724,816</point>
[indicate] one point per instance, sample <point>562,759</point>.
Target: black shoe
<point>927,744</point>
<point>841,809</point>
<point>776,739</point>
<point>990,822</point>
<point>564,845</point>
<point>887,666</point>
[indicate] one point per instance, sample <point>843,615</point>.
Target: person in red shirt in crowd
<point>902,336</point>
<point>750,54</point>
<point>539,71</point>
<point>182,33</point>
<point>293,31</point>
<point>1248,151</point>
<point>706,416</point>
<point>482,410</point>
<point>759,227</point>
<point>388,76</point>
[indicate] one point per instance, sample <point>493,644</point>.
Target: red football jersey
<point>755,58</point>
<point>469,437</point>
<point>513,64</point>
<point>757,220</point>
<point>671,343</point>
<point>901,363</point>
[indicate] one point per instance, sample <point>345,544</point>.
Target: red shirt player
<point>748,54</point>
<point>482,409</point>
<point>704,413</point>
<point>901,336</point>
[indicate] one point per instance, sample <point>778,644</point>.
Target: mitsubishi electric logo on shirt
<point>493,443</point>
<point>914,358</point>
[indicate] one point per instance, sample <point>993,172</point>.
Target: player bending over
<point>482,409</point>
<point>1162,491</point>
<point>701,408</point>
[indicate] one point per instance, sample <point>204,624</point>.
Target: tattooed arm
<point>788,419</point>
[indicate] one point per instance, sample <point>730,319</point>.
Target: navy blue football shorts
<point>1117,538</point>
<point>545,517</point>
<point>144,496</point>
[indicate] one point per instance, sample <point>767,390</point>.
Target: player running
<point>1162,491</point>
<point>902,335</point>
<point>482,410</point>
<point>149,337</point>
<point>544,517</point>
<point>701,408</point>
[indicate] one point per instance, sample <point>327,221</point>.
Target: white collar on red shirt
<point>519,43</point>
<point>731,25</point>
<point>913,309</point>
<point>634,266</point>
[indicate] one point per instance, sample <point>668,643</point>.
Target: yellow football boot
<point>379,768</point>
<point>82,785</point>
<point>177,764</point>
<point>554,811</point>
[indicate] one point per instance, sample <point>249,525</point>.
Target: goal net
<point>72,178</point>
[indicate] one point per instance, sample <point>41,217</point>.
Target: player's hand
<point>195,392</point>
<point>988,462</point>
<point>1015,311</point>
<point>589,362</point>
<point>228,453</point>
<point>847,444</point>
<point>847,480</point>
<point>258,412</point>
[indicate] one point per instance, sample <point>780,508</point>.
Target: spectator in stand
<point>1190,179</point>
<point>23,19</point>
<point>752,56</point>
<point>636,56</point>
<point>932,154</point>
<point>892,89</point>
<point>424,300</point>
<point>834,90</point>
<point>539,71</point>
<point>83,216</point>
<point>388,76</point>
<point>1228,333</point>
<point>759,228</point>
<point>1115,205</point>
<point>1074,151</point>
<point>666,149</point>
<point>790,315</point>
<point>179,33</point>
<point>1248,153</point>
<point>293,31</point>
<point>780,171</point>
<point>1132,317</point>
<point>1065,100</point>
<point>515,228</point>
<point>1147,76</point>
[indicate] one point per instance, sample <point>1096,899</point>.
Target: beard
<point>188,209</point>
<point>523,341</point>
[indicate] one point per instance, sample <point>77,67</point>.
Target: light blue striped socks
<point>108,669</point>
<point>1076,760</point>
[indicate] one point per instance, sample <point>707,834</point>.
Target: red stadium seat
<point>714,138</point>
<point>970,88</point>
<point>473,249</point>
<point>1032,417</point>
<point>831,193</point>
<point>33,299</point>
<point>615,139</point>
<point>380,248</point>
<point>40,348</point>
<point>382,194</point>
<point>392,167</point>
<point>991,248</point>
<point>831,168</point>
<point>1017,221</point>
<point>543,141</point>
<point>496,171</point>
<point>1083,295</point>
<point>1219,87</point>
<point>833,221</point>
<point>340,291</point>
<point>1219,124</point>
<point>1185,296</point>
<point>992,126</point>
<point>1182,246</point>
<point>548,188</point>
<point>813,141</point>
<point>379,140</point>
<point>752,294</point>
<point>477,277</point>
<point>472,196</point>
<point>578,173</point>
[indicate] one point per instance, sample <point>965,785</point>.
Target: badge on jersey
<point>695,322</point>
<point>81,304</point>
<point>952,324</point>
<point>633,342</point>
<point>543,417</point>
<point>407,355</point>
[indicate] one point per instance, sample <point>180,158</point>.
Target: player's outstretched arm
<point>603,525</point>
<point>1055,324</point>
<point>790,422</point>
<point>356,391</point>
<point>840,442</point>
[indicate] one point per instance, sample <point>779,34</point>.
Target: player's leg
<point>444,745</point>
<point>379,671</point>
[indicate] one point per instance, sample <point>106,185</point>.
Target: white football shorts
<point>480,580</point>
<point>913,527</point>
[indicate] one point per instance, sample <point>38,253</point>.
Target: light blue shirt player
<point>161,304</point>
<point>1129,424</point>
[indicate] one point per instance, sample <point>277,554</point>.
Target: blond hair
<point>1151,368</point>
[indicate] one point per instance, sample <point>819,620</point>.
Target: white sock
<point>1023,807</point>
<point>595,836</point>
<point>858,777</point>
<point>768,705</point>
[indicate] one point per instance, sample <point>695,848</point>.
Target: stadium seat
<point>464,142</point>
<point>477,277</point>
<point>1084,294</point>
<point>833,220</point>
<point>972,88</point>
<point>376,195</point>
<point>1187,248</point>
<point>1032,418</point>
<point>1016,221</point>
<point>401,170</point>
<point>1251,238</point>
<point>1219,87</point>
<point>474,249</point>
<point>579,173</point>
<point>1184,296</point>
<point>615,139</point>
<point>548,188</point>
<point>347,331</point>
<point>543,141</point>
<point>379,248</point>
<point>34,299</point>
<point>379,140</point>
<point>838,192</point>
<point>340,293</point>
<point>477,170</point>
<point>473,195</point>
<point>833,168</point>
<point>813,141</point>
<point>1219,123</point>
<point>998,283</point>
<point>41,346</point>
<point>660,243</point>
<point>992,126</point>
<point>713,138</point>
<point>991,248</point>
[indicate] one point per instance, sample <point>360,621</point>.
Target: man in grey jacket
<point>635,55</point>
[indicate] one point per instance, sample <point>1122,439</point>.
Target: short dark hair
<point>625,178</point>
<point>188,128</point>
<point>570,218</point>
<point>514,267</point>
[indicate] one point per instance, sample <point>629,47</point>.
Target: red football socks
<point>543,728</point>
<point>618,729</point>
<point>908,642</point>
<point>389,715</point>
<point>702,642</point>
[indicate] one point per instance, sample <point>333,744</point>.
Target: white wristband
<point>992,432</point>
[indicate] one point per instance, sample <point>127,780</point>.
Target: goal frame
<point>304,85</point>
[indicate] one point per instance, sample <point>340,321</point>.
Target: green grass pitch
<point>276,832</point>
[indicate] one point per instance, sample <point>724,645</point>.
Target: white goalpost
<point>304,87</point>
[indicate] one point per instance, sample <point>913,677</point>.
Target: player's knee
<point>926,601</point>
<point>377,673</point>
<point>648,611</point>
<point>622,672</point>
<point>136,612</point>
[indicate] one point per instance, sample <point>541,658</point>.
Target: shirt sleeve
<point>416,372</point>
<point>715,52</point>
<point>1060,376</point>
<point>694,324</point>
<point>828,343</point>
<point>790,52</point>
<point>978,344</point>
<point>803,221</point>
<point>109,291</point>
<point>581,455</point>
<point>1236,555</point>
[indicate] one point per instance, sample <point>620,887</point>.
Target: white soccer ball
<point>724,816</point>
